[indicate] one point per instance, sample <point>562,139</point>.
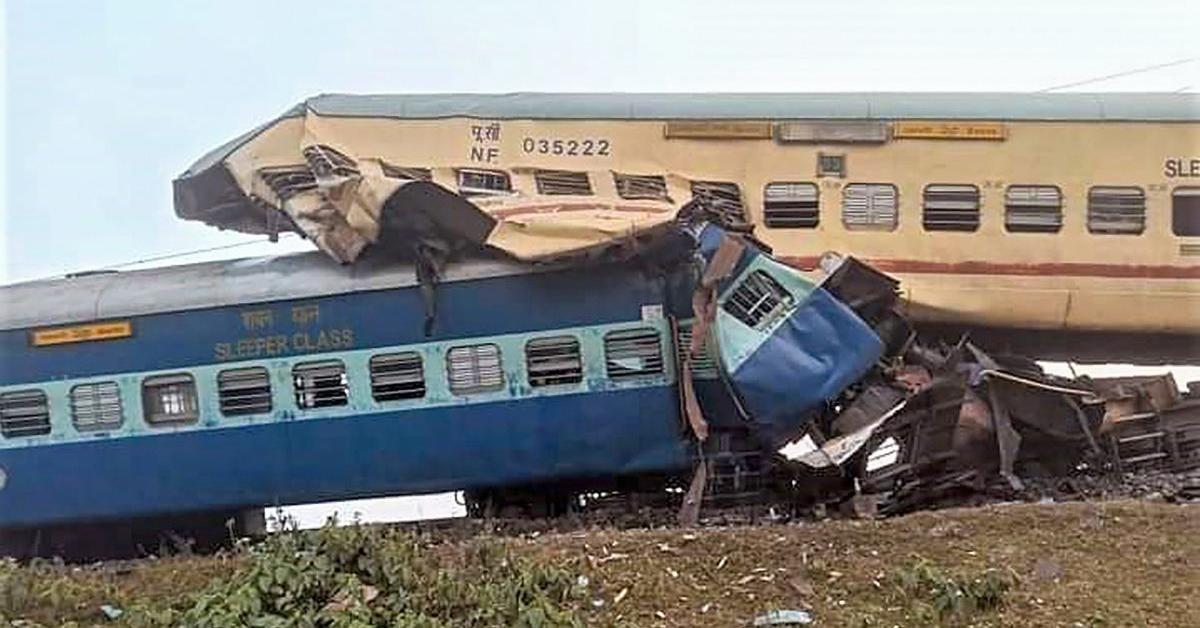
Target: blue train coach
<point>185,396</point>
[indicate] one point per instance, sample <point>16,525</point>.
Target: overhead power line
<point>1149,68</point>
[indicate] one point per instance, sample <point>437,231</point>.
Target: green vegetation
<point>349,577</point>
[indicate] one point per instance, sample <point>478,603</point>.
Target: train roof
<point>104,295</point>
<point>1075,106</point>
<point>853,105</point>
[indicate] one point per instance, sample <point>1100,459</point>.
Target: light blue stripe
<point>512,348</point>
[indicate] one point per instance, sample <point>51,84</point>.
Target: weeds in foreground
<point>342,577</point>
<point>934,595</point>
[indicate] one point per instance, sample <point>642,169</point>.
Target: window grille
<point>321,384</point>
<point>562,182</point>
<point>170,399</point>
<point>703,365</point>
<point>244,391</point>
<point>637,186</point>
<point>869,206</point>
<point>552,361</point>
<point>396,376</point>
<point>483,183</point>
<point>633,353</point>
<point>474,369</point>
<point>791,205</point>
<point>1116,210</point>
<point>325,161</point>
<point>723,198</point>
<point>97,406</point>
<point>1185,211</point>
<point>950,207</point>
<point>758,300</point>
<point>1033,209</point>
<point>410,174</point>
<point>24,413</point>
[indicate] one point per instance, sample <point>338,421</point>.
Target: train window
<point>1113,209</point>
<point>396,376</point>
<point>869,206</point>
<point>473,182</point>
<point>1185,211</point>
<point>1033,209</point>
<point>474,369</point>
<point>950,208</point>
<point>244,391</point>
<point>758,300</point>
<point>554,360</point>
<point>96,406</point>
<point>791,205</point>
<point>703,365</point>
<point>722,197</point>
<point>24,413</point>
<point>633,353</point>
<point>410,174</point>
<point>170,399</point>
<point>320,384</point>
<point>639,186</point>
<point>562,182</point>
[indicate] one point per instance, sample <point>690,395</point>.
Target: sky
<point>104,103</point>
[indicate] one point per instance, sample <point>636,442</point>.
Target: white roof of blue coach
<point>100,296</point>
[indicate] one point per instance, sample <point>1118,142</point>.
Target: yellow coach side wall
<point>1071,155</point>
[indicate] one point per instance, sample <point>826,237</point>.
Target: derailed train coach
<point>183,398</point>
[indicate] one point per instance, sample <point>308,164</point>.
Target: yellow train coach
<point>1045,219</point>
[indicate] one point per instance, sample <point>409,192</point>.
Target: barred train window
<point>1185,211</point>
<point>869,206</point>
<point>244,391</point>
<point>703,365</point>
<point>1033,209</point>
<point>24,413</point>
<point>320,384</point>
<point>630,353</point>
<point>724,198</point>
<point>1116,209</point>
<point>474,369</point>
<point>950,207</point>
<point>407,173</point>
<point>758,300</point>
<point>562,182</point>
<point>96,406</point>
<point>788,205</point>
<point>483,182</point>
<point>554,360</point>
<point>641,186</point>
<point>170,399</point>
<point>396,376</point>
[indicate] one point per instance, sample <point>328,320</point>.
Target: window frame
<point>872,225</point>
<point>978,212</point>
<point>1062,208</point>
<point>181,378</point>
<point>816,209</point>
<point>1190,191</point>
<point>543,180</point>
<point>1091,192</point>
<point>221,398</point>
<point>661,192</point>
<point>575,377</point>
<point>633,374</point>
<point>44,426</point>
<point>479,386</point>
<point>96,426</point>
<point>469,192</point>
<point>376,386</point>
<point>316,403</point>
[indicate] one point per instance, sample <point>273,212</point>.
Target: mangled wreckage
<point>767,354</point>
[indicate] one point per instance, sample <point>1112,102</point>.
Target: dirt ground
<point>1118,563</point>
